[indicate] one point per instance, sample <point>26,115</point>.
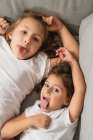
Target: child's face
<point>53,94</point>
<point>26,38</point>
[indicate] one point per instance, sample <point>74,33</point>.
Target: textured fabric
<point>60,127</point>
<point>86,61</point>
<point>17,79</point>
<point>71,11</point>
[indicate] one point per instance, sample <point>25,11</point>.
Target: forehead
<point>32,23</point>
<point>55,79</point>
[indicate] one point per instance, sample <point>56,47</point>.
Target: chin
<point>45,110</point>
<point>20,57</point>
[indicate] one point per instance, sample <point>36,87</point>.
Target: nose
<point>49,90</point>
<point>27,40</point>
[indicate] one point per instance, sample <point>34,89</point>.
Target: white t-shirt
<point>17,79</point>
<point>60,128</point>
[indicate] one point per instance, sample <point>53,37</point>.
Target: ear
<point>67,101</point>
<point>10,34</point>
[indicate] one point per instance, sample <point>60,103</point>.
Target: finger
<point>60,50</point>
<point>47,124</point>
<point>48,20</point>
<point>45,19</point>
<point>5,25</point>
<point>1,19</point>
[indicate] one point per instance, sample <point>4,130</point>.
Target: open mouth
<point>44,103</point>
<point>22,50</point>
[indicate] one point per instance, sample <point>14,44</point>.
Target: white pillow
<point>86,62</point>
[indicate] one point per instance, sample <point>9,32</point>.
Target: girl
<point>55,115</point>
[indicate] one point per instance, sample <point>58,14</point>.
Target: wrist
<point>73,62</point>
<point>30,122</point>
<point>61,26</point>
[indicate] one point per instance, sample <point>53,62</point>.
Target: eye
<point>36,39</point>
<point>55,90</point>
<point>25,32</point>
<point>46,85</point>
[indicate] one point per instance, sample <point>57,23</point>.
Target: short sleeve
<point>44,64</point>
<point>67,120</point>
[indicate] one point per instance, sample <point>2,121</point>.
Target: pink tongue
<point>22,50</point>
<point>44,103</point>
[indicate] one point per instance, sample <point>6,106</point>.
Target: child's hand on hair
<point>54,24</point>
<point>65,55</point>
<point>3,25</point>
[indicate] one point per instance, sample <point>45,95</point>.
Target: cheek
<point>57,100</point>
<point>41,93</point>
<point>38,45</point>
<point>13,38</point>
<point>13,42</point>
<point>34,48</point>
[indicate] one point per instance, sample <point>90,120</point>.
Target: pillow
<point>86,62</point>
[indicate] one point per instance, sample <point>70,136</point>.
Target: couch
<point>73,13</point>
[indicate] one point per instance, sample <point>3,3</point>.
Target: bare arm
<point>77,100</point>
<point>19,124</point>
<point>76,104</point>
<point>69,42</point>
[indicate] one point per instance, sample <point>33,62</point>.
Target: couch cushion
<point>86,61</point>
<point>72,11</point>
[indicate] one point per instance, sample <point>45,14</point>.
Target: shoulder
<point>66,118</point>
<point>42,55</point>
<point>2,38</point>
<point>39,58</point>
<point>3,41</point>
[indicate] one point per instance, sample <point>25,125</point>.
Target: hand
<point>65,55</point>
<point>54,24</point>
<point>41,121</point>
<point>3,26</point>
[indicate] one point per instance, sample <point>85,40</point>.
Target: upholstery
<point>72,12</point>
<point>86,58</point>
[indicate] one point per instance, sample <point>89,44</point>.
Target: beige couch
<point>72,12</point>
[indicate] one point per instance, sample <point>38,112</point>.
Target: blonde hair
<point>27,13</point>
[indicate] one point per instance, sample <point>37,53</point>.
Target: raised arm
<point>17,125</point>
<point>69,42</point>
<point>76,104</point>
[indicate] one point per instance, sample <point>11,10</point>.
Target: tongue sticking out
<point>22,50</point>
<point>44,103</point>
